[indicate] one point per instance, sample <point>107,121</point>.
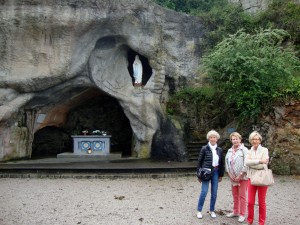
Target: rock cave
<point>97,112</point>
<point>62,61</point>
<point>65,64</point>
<point>94,110</point>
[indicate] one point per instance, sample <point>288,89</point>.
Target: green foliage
<point>253,70</point>
<point>194,98</point>
<point>223,20</point>
<point>283,14</point>
<point>190,6</point>
<point>167,3</point>
<point>219,17</point>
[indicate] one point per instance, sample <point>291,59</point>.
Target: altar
<point>91,144</point>
<point>91,147</point>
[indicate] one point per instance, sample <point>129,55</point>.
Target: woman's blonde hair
<point>213,133</point>
<point>235,134</point>
<point>253,134</point>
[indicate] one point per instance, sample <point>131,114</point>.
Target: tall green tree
<point>252,71</point>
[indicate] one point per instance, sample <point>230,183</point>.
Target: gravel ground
<point>131,201</point>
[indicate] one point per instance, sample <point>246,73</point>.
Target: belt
<point>215,166</point>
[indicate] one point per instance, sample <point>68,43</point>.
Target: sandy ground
<point>131,201</point>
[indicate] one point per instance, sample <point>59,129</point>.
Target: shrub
<point>253,70</point>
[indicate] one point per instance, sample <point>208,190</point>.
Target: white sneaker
<point>199,215</point>
<point>212,214</point>
<point>230,215</point>
<point>241,219</point>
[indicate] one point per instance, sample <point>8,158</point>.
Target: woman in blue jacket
<point>211,158</point>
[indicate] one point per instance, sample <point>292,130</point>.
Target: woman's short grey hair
<point>235,134</point>
<point>212,133</point>
<point>253,134</point>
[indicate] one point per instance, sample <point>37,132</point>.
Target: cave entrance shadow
<point>98,112</point>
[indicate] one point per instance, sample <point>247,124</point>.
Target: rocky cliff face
<point>53,52</point>
<point>252,6</point>
<point>282,131</point>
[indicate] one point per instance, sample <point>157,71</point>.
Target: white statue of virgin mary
<point>137,70</point>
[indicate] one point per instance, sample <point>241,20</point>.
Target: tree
<point>252,71</point>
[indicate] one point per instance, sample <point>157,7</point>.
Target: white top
<point>253,158</point>
<point>215,160</point>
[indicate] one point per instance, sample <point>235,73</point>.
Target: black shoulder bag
<point>204,173</point>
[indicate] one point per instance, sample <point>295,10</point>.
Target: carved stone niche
<point>147,70</point>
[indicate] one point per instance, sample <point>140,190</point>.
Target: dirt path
<point>131,201</point>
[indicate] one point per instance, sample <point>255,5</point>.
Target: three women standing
<point>236,169</point>
<point>210,157</point>
<point>238,160</point>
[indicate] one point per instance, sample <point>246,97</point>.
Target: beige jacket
<point>253,158</point>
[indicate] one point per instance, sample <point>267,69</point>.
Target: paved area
<point>123,191</point>
<point>134,201</point>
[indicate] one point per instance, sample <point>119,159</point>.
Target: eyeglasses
<point>255,139</point>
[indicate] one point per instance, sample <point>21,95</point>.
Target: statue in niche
<point>137,71</point>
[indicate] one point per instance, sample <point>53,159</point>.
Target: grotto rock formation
<point>53,52</point>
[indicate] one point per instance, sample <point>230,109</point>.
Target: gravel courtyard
<point>134,201</point>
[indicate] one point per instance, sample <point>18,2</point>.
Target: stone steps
<point>94,168</point>
<point>193,149</point>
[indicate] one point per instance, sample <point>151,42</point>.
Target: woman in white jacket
<point>255,160</point>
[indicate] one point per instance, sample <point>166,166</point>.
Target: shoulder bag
<point>262,177</point>
<point>204,174</point>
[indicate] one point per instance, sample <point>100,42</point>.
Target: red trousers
<point>239,193</point>
<point>262,192</point>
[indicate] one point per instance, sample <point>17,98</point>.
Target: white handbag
<point>262,177</point>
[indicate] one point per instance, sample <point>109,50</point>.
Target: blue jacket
<point>205,159</point>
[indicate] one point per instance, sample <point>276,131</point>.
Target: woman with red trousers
<point>256,158</point>
<point>235,166</point>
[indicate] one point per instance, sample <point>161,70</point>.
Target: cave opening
<point>98,112</point>
<point>50,141</point>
